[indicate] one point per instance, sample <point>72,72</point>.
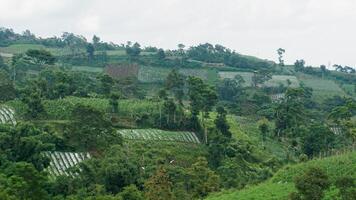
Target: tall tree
<point>159,186</point>
<point>311,184</point>
<point>280,52</point>
<point>202,180</point>
<point>90,130</point>
<point>175,83</point>
<point>90,50</point>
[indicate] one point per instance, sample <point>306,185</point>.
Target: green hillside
<point>281,184</point>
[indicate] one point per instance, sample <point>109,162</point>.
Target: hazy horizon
<point>318,31</point>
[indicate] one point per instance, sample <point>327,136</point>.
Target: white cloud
<point>317,30</point>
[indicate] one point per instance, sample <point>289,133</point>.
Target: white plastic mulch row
<point>336,130</point>
<point>7,115</point>
<point>60,162</point>
<point>277,97</point>
<point>159,135</point>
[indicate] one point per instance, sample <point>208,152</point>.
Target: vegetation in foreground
<point>71,96</point>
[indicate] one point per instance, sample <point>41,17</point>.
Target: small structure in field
<point>122,71</point>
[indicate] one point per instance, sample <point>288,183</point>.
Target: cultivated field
<point>159,135</point>
<point>62,163</point>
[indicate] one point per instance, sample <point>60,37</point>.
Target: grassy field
<point>247,76</point>
<point>349,89</point>
<point>281,184</point>
<point>322,88</point>
<point>61,109</point>
<point>22,48</point>
<point>282,79</point>
<point>88,69</point>
<point>158,74</point>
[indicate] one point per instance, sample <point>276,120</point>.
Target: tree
<point>202,99</point>
<point>317,138</point>
<point>291,112</point>
<point>90,51</point>
<point>41,56</point>
<point>221,122</point>
<point>34,104</point>
<point>175,83</point>
<point>7,89</point>
<point>280,52</point>
<point>217,147</point>
<point>96,41</point>
<point>264,128</point>
<point>299,65</point>
<point>131,193</point>
<point>169,108</point>
<point>202,180</point>
<point>259,77</point>
<point>133,51</point>
<point>158,186</point>
<point>25,182</point>
<point>323,70</point>
<point>347,188</point>
<point>90,130</point>
<point>161,55</point>
<point>114,97</point>
<point>106,84</point>
<point>231,89</point>
<point>25,143</point>
<point>311,184</point>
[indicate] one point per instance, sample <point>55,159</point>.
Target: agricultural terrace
<point>7,115</point>
<point>159,135</point>
<point>62,163</point>
<point>61,109</point>
<point>274,82</point>
<point>148,74</point>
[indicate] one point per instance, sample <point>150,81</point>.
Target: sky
<point>318,31</point>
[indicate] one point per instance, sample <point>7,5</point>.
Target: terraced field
<point>275,81</point>
<point>22,48</point>
<point>148,74</point>
<point>62,162</point>
<point>322,88</point>
<point>159,135</point>
<point>282,79</point>
<point>7,115</point>
<point>247,76</point>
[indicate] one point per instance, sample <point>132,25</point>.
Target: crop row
<point>159,135</point>
<point>62,162</point>
<point>7,115</point>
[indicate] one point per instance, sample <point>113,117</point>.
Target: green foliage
<point>311,184</point>
<point>317,139</point>
<point>23,181</point>
<point>281,185</point>
<point>131,193</point>
<point>159,187</point>
<point>25,143</point>
<point>90,130</point>
<point>347,187</point>
<point>41,56</point>
<point>202,180</point>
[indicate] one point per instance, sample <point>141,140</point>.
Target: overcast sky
<point>319,31</point>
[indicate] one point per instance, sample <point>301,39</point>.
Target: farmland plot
<point>282,79</point>
<point>159,74</point>
<point>159,135</point>
<point>62,162</point>
<point>7,115</point>
<point>247,76</point>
